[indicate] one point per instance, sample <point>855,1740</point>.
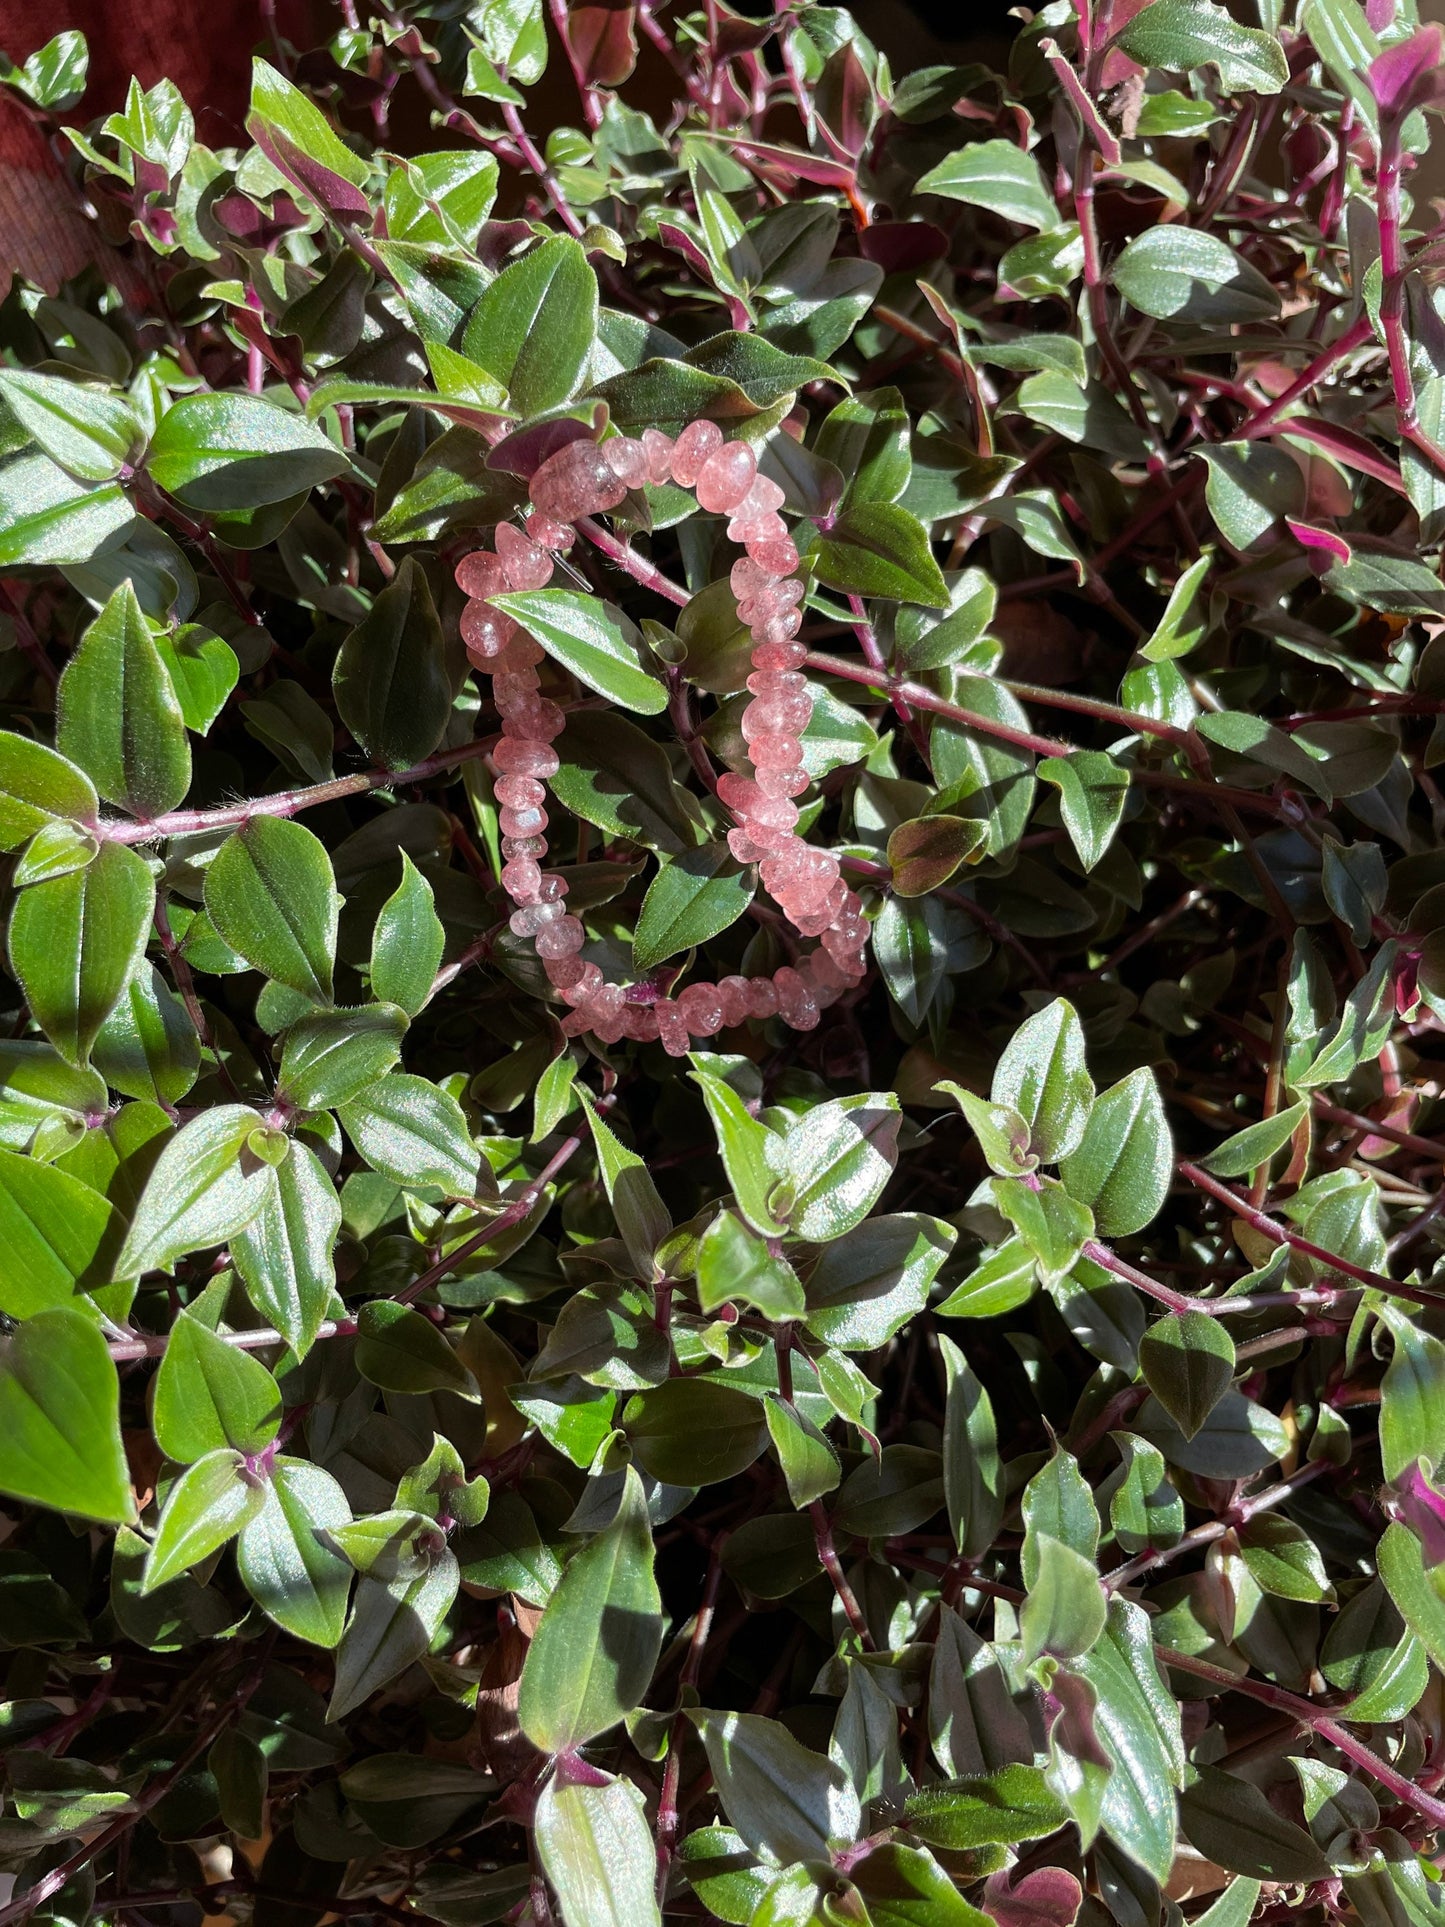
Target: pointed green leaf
<point>594,639</point>
<point>117,713</point>
<point>60,1443</point>
<point>407,944</point>
<point>76,939</point>
<point>271,895</point>
<point>392,688</point>
<point>210,1395</point>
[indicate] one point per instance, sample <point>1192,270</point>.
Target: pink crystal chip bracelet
<point>588,478</point>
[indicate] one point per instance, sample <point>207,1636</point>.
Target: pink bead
<point>584,986</point>
<point>781,782</point>
<point>697,442</point>
<point>733,995</point>
<point>747,579</point>
<point>773,813</point>
<point>779,654</point>
<point>576,481</point>
<point>520,792</point>
<point>565,973</point>
<point>781,555</point>
<point>533,846</point>
<point>518,755</point>
<point>528,822</point>
<point>527,566</point>
<point>520,879</point>
<point>548,534</point>
<point>627,459</point>
<point>763,498</point>
<point>702,1009</point>
<point>758,534</point>
<point>485,631</point>
<point>778,752</point>
<point>778,628</point>
<point>564,938</point>
<point>763,997</point>
<point>671,1028</point>
<point>481,574</point>
<point>658,449</point>
<point>725,478</point>
<point>739,793</point>
<point>745,847</point>
<point>795,1000</point>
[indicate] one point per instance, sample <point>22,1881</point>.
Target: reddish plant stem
<point>668,1810</point>
<point>1213,1529</point>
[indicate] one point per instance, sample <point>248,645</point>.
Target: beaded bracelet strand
<point>588,478</point>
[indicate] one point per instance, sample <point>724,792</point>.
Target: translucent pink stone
<point>780,654</point>
<point>781,782</point>
<point>796,1005</point>
<point>481,574</point>
<point>747,579</point>
<point>773,813</point>
<point>739,793</point>
<point>527,565</point>
<point>781,555</point>
<point>702,1009</point>
<point>565,973</point>
<point>548,534</point>
<point>520,792</point>
<point>520,879</point>
<point>725,478</point>
<point>658,449</point>
<point>520,756</point>
<point>576,481</point>
<point>763,997</point>
<point>585,985</point>
<point>534,846</point>
<point>529,822</point>
<point>733,995</point>
<point>671,1028</point>
<point>757,534</point>
<point>627,459</point>
<point>778,752</point>
<point>693,447</point>
<point>745,846</point>
<point>485,631</point>
<point>564,938</point>
<point>763,498</point>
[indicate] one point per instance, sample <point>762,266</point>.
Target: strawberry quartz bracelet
<point>588,478</point>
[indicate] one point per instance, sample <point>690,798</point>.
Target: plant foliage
<point>973,1453</point>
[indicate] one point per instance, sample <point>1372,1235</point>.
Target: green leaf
<point>745,1146</point>
<point>203,670</point>
<point>1231,1822</point>
<point>392,688</point>
<point>57,1237</point>
<point>535,326</point>
<point>1283,1560</point>
<point>596,1848</point>
<point>285,1254</point>
<point>1188,1361</point>
<point>74,942</point>
<point>1093,792</point>
<point>1256,1144</point>
<point>285,1557</point>
<point>694,1431</point>
<point>1184,622</point>
<point>1365,1024</point>
<point>234,451</point>
<point>866,439</point>
<point>118,716</point>
<point>60,1443</point>
<point>297,139</point>
<point>39,788</point>
<point>1144,1508</point>
<point>1412,1397</point>
<point>786,1801</point>
<point>1052,1224</point>
<point>1179,273</point>
<point>148,1046</point>
<point>880,549</point>
<point>642,1217</point>
<point>618,778</point>
<point>835,1161</point>
<point>592,1656</point>
<point>1003,1136</point>
<point>1003,1808</point>
<point>208,1505</point>
<point>924,852</point>
<point>735,1266</point>
<point>810,1465</point>
<point>440,197</point>
<point>208,1182</point>
<point>49,520</point>
<point>1180,35</point>
<point>973,1476</point>
<point>694,896</point>
<point>400,1350</point>
<point>272,897</point>
<point>407,944</point>
<point>906,1887</point>
<point>1058,1504</point>
<point>866,1286</point>
<point>1249,486</point>
<point>974,1725</point>
<point>334,1055</point>
<point>391,1624</point>
<point>1138,1722</point>
<point>996,175</point>
<point>88,432</point>
<point>1066,1607</point>
<point>54,75</point>
<point>910,948</point>
<point>210,1395</point>
<point>1042,1075</point>
<point>594,639</point>
<point>414,1133</point>
<point>1125,1160</point>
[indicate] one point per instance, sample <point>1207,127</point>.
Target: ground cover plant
<point>719,1181</point>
